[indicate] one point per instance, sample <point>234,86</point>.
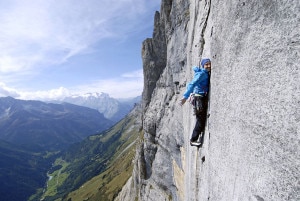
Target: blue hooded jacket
<point>199,84</point>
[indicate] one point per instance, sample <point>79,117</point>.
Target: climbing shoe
<point>195,143</point>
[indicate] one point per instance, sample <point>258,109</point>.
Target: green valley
<point>98,167</point>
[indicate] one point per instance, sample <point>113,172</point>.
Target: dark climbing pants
<point>200,110</point>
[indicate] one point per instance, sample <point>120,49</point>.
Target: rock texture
<point>251,149</point>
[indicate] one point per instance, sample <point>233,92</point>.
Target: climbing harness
<point>196,100</point>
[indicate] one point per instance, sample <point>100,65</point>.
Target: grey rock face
<point>251,148</point>
<point>255,88</point>
<point>154,58</point>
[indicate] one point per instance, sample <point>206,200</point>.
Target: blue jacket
<point>199,84</point>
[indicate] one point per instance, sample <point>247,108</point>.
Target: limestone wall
<point>251,149</point>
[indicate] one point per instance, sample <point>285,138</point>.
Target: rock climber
<point>197,93</point>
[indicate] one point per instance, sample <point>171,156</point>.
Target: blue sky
<point>51,49</point>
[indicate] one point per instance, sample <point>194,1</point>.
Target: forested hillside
<point>99,166</point>
<point>22,170</point>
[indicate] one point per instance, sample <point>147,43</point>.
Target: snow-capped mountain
<point>111,108</point>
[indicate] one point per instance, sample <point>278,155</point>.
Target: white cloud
<point>49,32</point>
<point>8,64</point>
<point>128,85</point>
<point>7,91</point>
<point>53,94</point>
<point>36,34</point>
<point>134,74</point>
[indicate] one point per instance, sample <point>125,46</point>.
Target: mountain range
<point>97,167</point>
<point>112,108</point>
<point>34,135</point>
<point>47,126</point>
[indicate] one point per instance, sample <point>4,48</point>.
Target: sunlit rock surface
<point>251,148</point>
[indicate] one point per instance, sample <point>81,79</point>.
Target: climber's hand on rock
<point>182,101</point>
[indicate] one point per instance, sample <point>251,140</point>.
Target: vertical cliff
<point>251,148</point>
